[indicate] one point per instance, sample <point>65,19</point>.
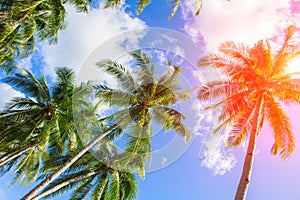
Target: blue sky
<point>214,177</point>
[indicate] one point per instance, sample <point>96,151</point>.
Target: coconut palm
<point>22,21</point>
<point>101,182</point>
<point>139,99</point>
<point>254,86</point>
<point>92,178</point>
<point>96,181</point>
<point>37,124</point>
<point>141,4</point>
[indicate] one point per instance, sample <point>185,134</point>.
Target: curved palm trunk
<point>56,174</point>
<point>63,184</point>
<point>247,168</point>
<point>12,156</point>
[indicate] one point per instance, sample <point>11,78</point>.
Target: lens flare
<point>294,66</point>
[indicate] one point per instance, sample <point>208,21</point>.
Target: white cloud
<point>25,63</point>
<point>7,94</point>
<point>213,153</point>
<point>214,156</point>
<point>203,122</point>
<point>84,33</point>
<point>244,21</point>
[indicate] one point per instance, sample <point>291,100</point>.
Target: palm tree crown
<point>37,125</point>
<point>254,86</point>
<point>21,21</point>
<point>139,98</point>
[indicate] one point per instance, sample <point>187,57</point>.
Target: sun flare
<point>294,66</point>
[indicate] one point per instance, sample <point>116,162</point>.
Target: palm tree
<point>254,86</point>
<point>141,4</point>
<point>37,125</point>
<point>99,182</point>
<point>21,21</point>
<point>92,178</point>
<point>140,99</point>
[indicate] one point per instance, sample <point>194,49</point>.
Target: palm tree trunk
<point>56,174</point>
<point>247,168</point>
<point>63,184</point>
<point>14,155</point>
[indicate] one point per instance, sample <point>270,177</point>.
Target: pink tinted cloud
<point>244,21</point>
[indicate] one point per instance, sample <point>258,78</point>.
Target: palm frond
<point>241,127</point>
<point>99,190</point>
<point>145,72</point>
<point>141,4</point>
<point>170,76</point>
<point>198,4</point>
<point>115,97</point>
<point>112,3</point>
<point>128,186</point>
<point>29,84</point>
<point>171,119</point>
<point>286,51</point>
<point>83,189</point>
<point>287,91</point>
<point>64,85</point>
<point>80,5</point>
<point>218,89</point>
<point>262,59</point>
<point>175,8</point>
<point>21,103</point>
<point>284,139</point>
<point>114,186</point>
<point>138,149</point>
<point>237,51</point>
<point>120,73</point>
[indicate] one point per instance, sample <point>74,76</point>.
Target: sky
<point>204,169</point>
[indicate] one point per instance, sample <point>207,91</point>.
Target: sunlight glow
<point>294,66</point>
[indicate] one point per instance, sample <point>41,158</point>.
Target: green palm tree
<point>22,21</point>
<point>139,99</point>
<point>92,178</point>
<point>141,5</point>
<point>254,86</point>
<point>37,125</point>
<point>97,181</point>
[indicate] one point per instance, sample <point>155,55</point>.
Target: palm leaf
<point>118,71</point>
<point>284,139</point>
<point>141,4</point>
<point>175,8</point>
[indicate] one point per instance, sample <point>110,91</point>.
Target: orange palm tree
<point>254,85</point>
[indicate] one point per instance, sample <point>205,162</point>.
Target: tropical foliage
<point>142,98</point>
<point>23,21</point>
<point>44,120</point>
<point>91,178</point>
<point>37,125</point>
<point>253,88</point>
<point>54,134</point>
<point>141,5</point>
